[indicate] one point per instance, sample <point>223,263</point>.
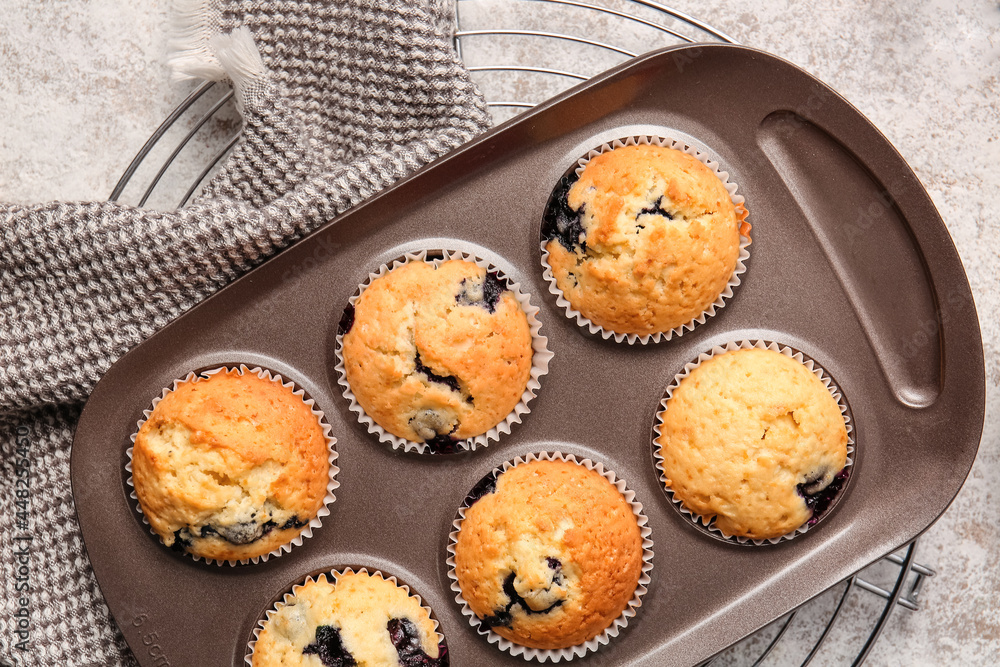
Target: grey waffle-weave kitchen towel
<point>340,99</point>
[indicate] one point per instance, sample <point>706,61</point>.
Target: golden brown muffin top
<point>221,457</point>
<point>745,435</point>
<point>551,557</point>
<point>438,352</point>
<point>361,617</point>
<point>660,242</point>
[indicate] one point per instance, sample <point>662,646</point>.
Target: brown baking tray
<point>850,264</point>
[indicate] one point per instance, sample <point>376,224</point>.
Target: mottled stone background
<point>82,85</point>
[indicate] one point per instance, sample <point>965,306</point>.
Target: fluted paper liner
<point>734,279</point>
<point>578,651</point>
<point>252,644</point>
<point>331,485</point>
<point>707,525</point>
<point>539,359</point>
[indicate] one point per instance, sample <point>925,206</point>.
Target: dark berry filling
<point>655,209</point>
<point>294,522</point>
<point>493,287</point>
<point>181,543</point>
<point>560,222</point>
<point>503,616</point>
<point>346,320</point>
<point>240,533</point>
<point>487,484</point>
<point>443,444</point>
<point>430,420</point>
<point>330,648</point>
<point>431,423</point>
<point>450,380</point>
<point>404,636</point>
<point>820,500</point>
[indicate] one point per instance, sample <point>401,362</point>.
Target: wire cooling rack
<point>522,52</point>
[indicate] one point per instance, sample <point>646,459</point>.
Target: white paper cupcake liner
<point>734,279</point>
<point>707,525</point>
<point>540,357</point>
<point>578,651</point>
<point>331,485</point>
<point>287,597</point>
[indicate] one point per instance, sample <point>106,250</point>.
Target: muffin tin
<point>851,264</point>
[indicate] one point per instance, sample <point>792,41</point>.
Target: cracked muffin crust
<point>753,438</point>
<point>548,555</point>
<point>437,354</point>
<point>230,467</point>
<point>360,619</point>
<point>644,240</point>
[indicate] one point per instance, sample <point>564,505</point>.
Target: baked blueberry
<point>405,636</point>
<point>448,380</point>
<point>485,293</point>
<point>346,320</point>
<point>504,617</point>
<point>443,444</point>
<point>329,648</point>
<point>820,499</point>
<point>562,223</point>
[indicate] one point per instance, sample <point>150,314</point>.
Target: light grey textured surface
<point>82,86</point>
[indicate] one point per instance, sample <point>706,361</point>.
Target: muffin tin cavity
<point>668,239</point>
<point>822,488</point>
<point>534,577</point>
<point>209,462</point>
<point>337,615</point>
<point>427,374</point>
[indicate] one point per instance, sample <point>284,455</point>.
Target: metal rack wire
<point>499,42</point>
<point>905,578</point>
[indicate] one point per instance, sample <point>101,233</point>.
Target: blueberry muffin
<point>643,241</point>
<point>230,467</point>
<point>754,439</point>
<point>437,354</point>
<point>360,619</point>
<point>549,555</point>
